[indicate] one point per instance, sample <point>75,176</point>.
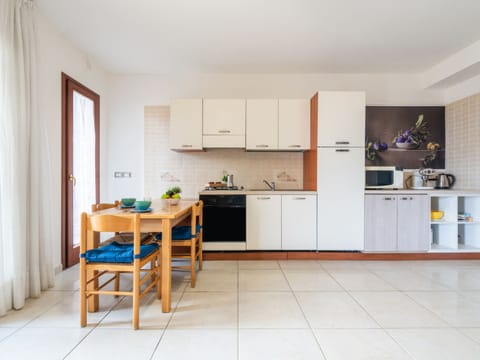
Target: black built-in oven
<point>224,218</point>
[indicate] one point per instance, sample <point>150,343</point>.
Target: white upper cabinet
<point>262,124</point>
<point>185,130</point>
<point>293,124</point>
<point>224,123</point>
<point>341,118</point>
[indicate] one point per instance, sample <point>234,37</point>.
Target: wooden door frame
<point>67,155</point>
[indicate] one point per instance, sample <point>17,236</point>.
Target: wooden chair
<point>187,242</point>
<point>103,206</point>
<point>115,258</point>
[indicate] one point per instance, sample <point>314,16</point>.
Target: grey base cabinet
<point>396,223</point>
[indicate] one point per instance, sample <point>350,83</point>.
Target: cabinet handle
<point>261,146</point>
<point>342,142</point>
<point>294,146</point>
<point>342,150</point>
<point>388,198</point>
<point>300,198</point>
<point>404,198</point>
<point>186,146</point>
<point>224,131</point>
<point>263,198</point>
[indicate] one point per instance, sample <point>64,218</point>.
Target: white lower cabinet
<point>264,228</point>
<point>281,222</point>
<point>299,218</point>
<point>413,223</point>
<point>396,223</point>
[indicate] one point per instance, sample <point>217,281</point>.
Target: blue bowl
<point>142,204</point>
<point>128,201</point>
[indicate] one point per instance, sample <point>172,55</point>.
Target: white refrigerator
<point>341,170</point>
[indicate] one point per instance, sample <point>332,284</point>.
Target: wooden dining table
<point>161,219</point>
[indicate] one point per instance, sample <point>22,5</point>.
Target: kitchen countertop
<point>257,192</point>
<point>454,192</point>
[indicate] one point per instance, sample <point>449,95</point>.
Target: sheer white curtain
<point>26,265</point>
<point>83,159</point>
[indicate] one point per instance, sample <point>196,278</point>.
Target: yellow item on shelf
<point>436,215</point>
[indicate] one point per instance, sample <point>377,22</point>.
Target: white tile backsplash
<point>462,137</point>
<point>165,168</point>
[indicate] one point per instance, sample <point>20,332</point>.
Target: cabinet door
<point>299,222</point>
<point>262,124</point>
<point>185,130</point>
<point>341,118</point>
<point>264,222</point>
<point>380,223</point>
<point>293,124</point>
<point>224,117</point>
<point>413,223</point>
<point>340,189</point>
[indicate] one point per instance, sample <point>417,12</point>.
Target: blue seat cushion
<point>180,233</point>
<point>118,253</point>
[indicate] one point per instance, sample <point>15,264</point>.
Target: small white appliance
<point>383,177</point>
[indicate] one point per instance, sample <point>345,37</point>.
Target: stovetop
<point>214,188</point>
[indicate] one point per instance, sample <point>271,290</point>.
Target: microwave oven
<point>383,177</point>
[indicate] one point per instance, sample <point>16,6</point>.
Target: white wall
<point>462,90</point>
<point>56,55</point>
<point>130,94</point>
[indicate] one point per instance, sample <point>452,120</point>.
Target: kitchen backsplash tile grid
<point>462,122</point>
<point>192,170</point>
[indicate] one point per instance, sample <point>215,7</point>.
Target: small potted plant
<point>172,195</point>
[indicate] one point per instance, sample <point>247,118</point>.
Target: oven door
<point>224,222</point>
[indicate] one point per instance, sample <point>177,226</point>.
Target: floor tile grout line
<point>427,309</point>
<point>375,321</point>
<point>93,328</point>
<point>238,310</point>
<point>36,317</point>
<point>459,329</point>
<point>304,316</point>
<point>166,325</point>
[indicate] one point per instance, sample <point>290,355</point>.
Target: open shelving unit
<point>449,234</point>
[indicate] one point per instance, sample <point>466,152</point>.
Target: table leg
<point>166,264</point>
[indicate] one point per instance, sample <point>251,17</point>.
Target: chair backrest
<point>110,223</point>
<point>103,206</point>
<point>197,215</point>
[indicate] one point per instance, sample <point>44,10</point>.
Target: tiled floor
<point>267,310</point>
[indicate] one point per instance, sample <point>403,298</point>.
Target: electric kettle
<point>444,181</point>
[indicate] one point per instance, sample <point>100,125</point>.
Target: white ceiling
<point>266,36</point>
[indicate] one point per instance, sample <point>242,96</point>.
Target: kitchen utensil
<point>128,201</point>
<point>142,205</point>
<point>444,181</point>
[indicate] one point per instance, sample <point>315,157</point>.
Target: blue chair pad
<point>180,233</point>
<point>118,253</point>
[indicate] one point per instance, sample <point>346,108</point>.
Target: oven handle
<point>224,206</point>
